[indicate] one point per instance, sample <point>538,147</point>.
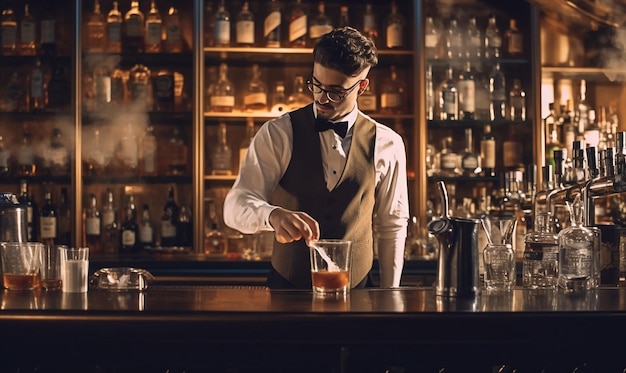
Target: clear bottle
<point>448,158</point>
<point>96,30</point>
<point>488,152</point>
<point>28,33</point>
<point>5,157</point>
<point>223,99</point>
<point>110,228</point>
<point>449,98</point>
<point>48,221</point>
<point>514,39</point>
<point>93,226</point>
<point>178,153</point>
<point>541,254</point>
<point>25,155</point>
<point>320,25</point>
<point>255,97</point>
<point>394,26</point>
<point>245,144</point>
<point>470,160</point>
<point>37,88</point>
<point>497,93</point>
<point>298,25</point>
<point>32,211</point>
<point>517,102</point>
<point>432,36</point>
<point>221,156</point>
<point>214,239</point>
<point>221,31</point>
<point>454,40</point>
<point>173,42</point>
<point>493,39</point>
<point>149,152</point>
<point>169,220</point>
<point>8,31</point>
<point>48,30</point>
<point>244,35</point>
<point>146,232</point>
<point>393,91</point>
<point>134,41</point>
<point>154,25</point>
<point>473,44</point>
<point>272,25</point>
<point>467,92</point>
<point>370,23</point>
<point>279,99</point>
<point>592,131</point>
<point>581,116</point>
<point>129,228</point>
<point>114,30</point>
<point>298,98</point>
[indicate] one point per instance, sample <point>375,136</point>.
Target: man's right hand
<point>290,226</point>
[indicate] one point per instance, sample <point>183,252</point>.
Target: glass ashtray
<point>122,279</point>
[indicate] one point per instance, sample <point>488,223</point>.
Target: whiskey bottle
<point>244,26</point>
<point>470,160</point>
<point>154,25</point>
<point>432,36</point>
<point>114,30</point>
<point>255,97</point>
<point>178,151</point>
<point>448,159</point>
<point>148,152</point>
<point>448,98</point>
<point>221,155</point>
<point>58,90</point>
<point>271,26</point>
<point>8,31</point>
<point>467,92</point>
<point>298,98</point>
<point>320,24</point>
<point>5,157</point>
<point>223,99</point>
<point>173,35</point>
<point>368,101</point>
<point>133,37</point>
<point>64,220</point>
<point>514,39</point>
<point>95,30</point>
<point>110,227</point>
<point>129,229</point>
<point>169,221</point>
<point>493,39</point>
<point>25,155</point>
<point>370,23</point>
<point>36,88</point>
<point>146,232</point>
<point>47,30</point>
<point>93,238</point>
<point>28,33</point>
<point>48,221</point>
<point>139,87</point>
<point>214,239</point>
<point>394,26</point>
<point>163,91</point>
<point>32,211</point>
<point>118,87</point>
<point>14,94</point>
<point>245,144</point>
<point>497,93</point>
<point>488,152</point>
<point>221,33</point>
<point>517,102</point>
<point>454,40</point>
<point>577,249</point>
<point>473,43</point>
<point>393,90</point>
<point>297,25</point>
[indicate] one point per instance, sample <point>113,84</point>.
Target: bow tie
<point>340,128</point>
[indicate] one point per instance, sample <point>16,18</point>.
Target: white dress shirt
<point>247,209</point>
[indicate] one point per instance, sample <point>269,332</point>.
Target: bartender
<point>327,170</point>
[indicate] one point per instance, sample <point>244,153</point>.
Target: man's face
<point>335,81</point>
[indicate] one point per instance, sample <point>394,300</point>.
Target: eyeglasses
<point>332,96</point>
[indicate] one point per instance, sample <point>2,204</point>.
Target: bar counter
<point>189,328</point>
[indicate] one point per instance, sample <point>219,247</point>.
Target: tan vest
<point>344,212</point>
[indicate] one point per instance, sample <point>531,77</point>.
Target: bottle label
<point>431,41</point>
<point>48,35</point>
<point>168,229</point>
<point>128,237</point>
<point>108,217</point>
<point>172,34</point>
<point>390,100</point>
<point>394,36</point>
<point>450,103</point>
<point>488,153</point>
<point>103,88</point>
<point>449,161</point>
<point>297,28</point>
<point>496,42</point>
<point>245,32</point>
<point>513,153</point>
<point>114,32</point>
<point>92,226</point>
<point>467,96</point>
<point>367,103</point>
<point>164,88</point>
<point>36,84</point>
<point>272,22</point>
<point>134,27</point>
<point>153,33</point>
<point>9,35</point>
<point>48,227</point>
<point>145,233</point>
<point>470,163</point>
<point>255,99</point>
<point>222,32</point>
<point>516,44</point>
<point>369,22</point>
<point>317,31</point>
<point>224,101</point>
<point>27,32</point>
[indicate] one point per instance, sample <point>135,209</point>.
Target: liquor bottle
<point>214,239</point>
<point>497,94</point>
<point>223,99</point>
<point>178,151</point>
<point>146,232</point>
<point>271,26</point>
<point>298,98</point>
<point>25,155</point>
<point>47,30</point>
<point>184,233</point>
<point>448,159</point>
<point>394,26</point>
<point>517,101</point>
<point>448,98</point>
<point>129,229</point>
<point>368,101</point>
<point>221,32</point>
<point>511,206</point>
<point>432,37</point>
<point>163,90</point>
<point>133,37</point>
<point>221,155</point>
<point>514,39</point>
<point>488,152</point>
<point>370,23</point>
<point>493,39</point>
<point>279,99</point>
<point>95,30</point>
<point>139,87</point>
<point>28,33</point>
<point>245,144</point>
<point>473,40</point>
<point>581,116</point>
<point>64,220</point>
<point>344,17</point>
<point>169,221</point>
<point>454,40</point>
<point>36,88</point>
<point>154,25</point>
<point>32,211</point>
<point>57,158</point>
<point>467,92</point>
<point>114,30</point>
<point>320,25</point>
<point>14,94</point>
<point>48,221</point>
<point>110,227</point>
<point>5,157</point>
<point>173,34</point>
<point>118,88</point>
<point>8,30</point>
<point>93,238</point>
<point>393,91</point>
<point>552,136</point>
<point>541,256</point>
<point>470,160</point>
<point>255,97</point>
<point>148,152</point>
<point>58,90</point>
<point>209,24</point>
<point>297,25</point>
<point>244,27</point>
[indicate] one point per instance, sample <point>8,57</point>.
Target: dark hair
<point>345,50</point>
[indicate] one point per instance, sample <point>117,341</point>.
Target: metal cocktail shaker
<point>13,224</point>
